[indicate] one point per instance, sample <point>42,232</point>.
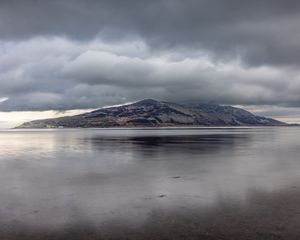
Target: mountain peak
<point>147,101</point>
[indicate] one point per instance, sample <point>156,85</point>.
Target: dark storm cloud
<point>83,54</point>
<point>259,32</point>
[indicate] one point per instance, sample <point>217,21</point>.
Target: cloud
<point>3,99</point>
<point>61,55</point>
<point>60,74</point>
<point>257,32</point>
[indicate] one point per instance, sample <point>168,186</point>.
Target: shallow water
<point>54,179</point>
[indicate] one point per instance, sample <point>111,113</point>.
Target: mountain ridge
<point>153,113</point>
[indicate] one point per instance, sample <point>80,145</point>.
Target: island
<point>153,113</point>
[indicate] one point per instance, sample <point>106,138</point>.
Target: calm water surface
<point>51,179</point>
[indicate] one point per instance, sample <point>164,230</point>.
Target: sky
<point>63,57</point>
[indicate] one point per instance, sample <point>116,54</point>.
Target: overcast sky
<point>72,54</point>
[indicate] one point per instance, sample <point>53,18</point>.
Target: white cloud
<point>3,99</point>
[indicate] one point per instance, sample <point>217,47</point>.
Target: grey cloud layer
<point>60,74</point>
<point>258,32</point>
<point>65,54</point>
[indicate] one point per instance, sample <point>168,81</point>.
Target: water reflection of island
<point>151,146</point>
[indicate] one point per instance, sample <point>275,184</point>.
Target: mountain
<point>152,113</point>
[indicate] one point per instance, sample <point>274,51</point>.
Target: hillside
<point>152,113</point>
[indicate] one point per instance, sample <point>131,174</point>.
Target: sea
<point>153,183</point>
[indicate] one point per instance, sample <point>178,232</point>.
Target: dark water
<point>150,184</point>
